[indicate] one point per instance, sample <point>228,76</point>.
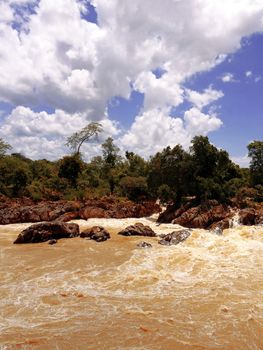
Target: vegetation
<point>76,140</point>
<point>172,175</point>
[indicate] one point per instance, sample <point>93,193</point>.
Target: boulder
<point>144,245</point>
<point>97,233</point>
<point>175,237</point>
<point>52,241</point>
<point>247,216</point>
<point>138,229</point>
<point>47,231</point>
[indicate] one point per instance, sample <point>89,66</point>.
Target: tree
<point>110,152</point>
<point>4,147</point>
<point>255,152</point>
<point>70,168</point>
<point>111,158</point>
<point>76,140</point>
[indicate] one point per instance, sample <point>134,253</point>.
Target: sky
<point>154,73</point>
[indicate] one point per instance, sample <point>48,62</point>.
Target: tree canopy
<point>4,147</point>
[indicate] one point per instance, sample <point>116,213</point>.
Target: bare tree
<point>76,140</point>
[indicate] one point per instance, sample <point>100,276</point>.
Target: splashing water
<point>205,293</point>
<point>235,221</point>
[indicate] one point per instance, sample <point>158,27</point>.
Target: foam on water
<point>203,289</point>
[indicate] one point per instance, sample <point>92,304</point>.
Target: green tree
<point>134,187</point>
<point>76,140</point>
<point>255,152</point>
<point>70,168</point>
<point>111,158</point>
<point>4,147</point>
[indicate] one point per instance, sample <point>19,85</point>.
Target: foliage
<point>255,152</point>
<point>134,187</point>
<point>173,174</point>
<point>70,168</point>
<point>4,147</point>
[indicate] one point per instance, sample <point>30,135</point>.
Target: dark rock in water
<point>144,245</point>
<point>97,233</point>
<point>52,241</point>
<point>175,237</point>
<point>217,231</point>
<point>47,231</point>
<point>247,216</point>
<point>138,229</point>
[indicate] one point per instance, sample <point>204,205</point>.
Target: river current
<point>205,293</point>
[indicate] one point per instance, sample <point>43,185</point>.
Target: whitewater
<point>205,293</point>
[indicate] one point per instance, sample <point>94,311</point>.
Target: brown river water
<point>205,293</point>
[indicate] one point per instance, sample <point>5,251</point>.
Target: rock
<point>97,233</point>
<point>175,237</point>
<point>138,229</point>
<point>247,216</point>
<point>52,241</point>
<point>92,212</point>
<point>144,245</point>
<point>47,231</point>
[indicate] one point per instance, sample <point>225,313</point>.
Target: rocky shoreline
<point>24,210</point>
<point>212,215</point>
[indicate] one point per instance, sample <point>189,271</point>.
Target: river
<point>205,293</point>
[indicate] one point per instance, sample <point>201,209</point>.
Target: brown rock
<point>138,229</point>
<point>144,245</point>
<point>47,231</point>
<point>88,213</point>
<point>97,233</point>
<point>175,237</point>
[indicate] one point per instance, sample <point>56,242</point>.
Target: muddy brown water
<point>206,293</point>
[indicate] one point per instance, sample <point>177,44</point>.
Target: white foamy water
<point>205,293</point>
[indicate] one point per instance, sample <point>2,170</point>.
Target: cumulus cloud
<point>242,161</point>
<point>203,99</point>
<point>51,56</point>
<point>228,78</point>
<point>156,129</point>
<point>43,135</point>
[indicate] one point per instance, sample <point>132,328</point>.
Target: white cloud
<point>228,78</point>
<point>249,73</point>
<point>43,135</point>
<point>242,161</point>
<point>75,67</point>
<point>201,100</point>
<point>156,129</point>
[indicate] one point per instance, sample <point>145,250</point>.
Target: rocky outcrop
<point>199,217</point>
<point>211,216</point>
<point>175,237</point>
<point>47,231</point>
<point>44,211</point>
<point>144,245</point>
<point>97,233</point>
<point>110,207</point>
<point>138,229</point>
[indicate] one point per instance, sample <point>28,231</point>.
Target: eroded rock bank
<point>212,215</point>
<point>24,210</point>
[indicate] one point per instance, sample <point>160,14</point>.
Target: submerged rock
<point>97,233</point>
<point>175,237</point>
<point>52,242</point>
<point>47,231</point>
<point>144,245</point>
<point>138,229</point>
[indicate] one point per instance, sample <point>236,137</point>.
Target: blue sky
<point>152,77</point>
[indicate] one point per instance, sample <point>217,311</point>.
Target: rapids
<point>205,293</point>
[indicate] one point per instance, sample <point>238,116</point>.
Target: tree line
<point>172,175</point>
